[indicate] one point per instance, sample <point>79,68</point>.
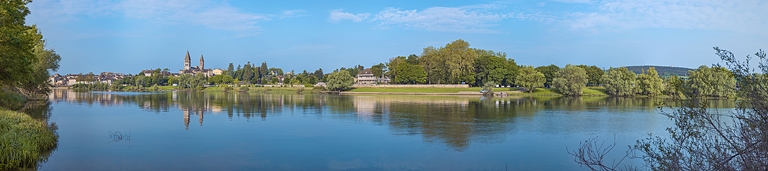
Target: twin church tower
<point>189,69</point>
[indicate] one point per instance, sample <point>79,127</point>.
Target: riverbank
<point>23,140</point>
<point>587,91</point>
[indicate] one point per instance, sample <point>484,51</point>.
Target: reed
<point>24,140</point>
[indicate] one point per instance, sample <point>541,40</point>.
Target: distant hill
<point>662,70</point>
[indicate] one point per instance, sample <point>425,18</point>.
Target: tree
<point>392,64</point>
<point>649,83</point>
<point>340,80</point>
<point>231,70</point>
<point>570,80</point>
<point>410,74</point>
<point>549,72</point>
<point>378,70</point>
<point>529,78</point>
<point>620,82</point>
<point>673,86</point>
<point>318,73</point>
<point>262,72</point>
<point>716,81</point>
<point>46,60</point>
<point>594,73</point>
<point>491,69</point>
<point>16,44</point>
<point>705,139</point>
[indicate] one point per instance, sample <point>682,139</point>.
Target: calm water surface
<point>233,131</point>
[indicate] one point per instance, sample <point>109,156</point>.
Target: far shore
<point>463,91</point>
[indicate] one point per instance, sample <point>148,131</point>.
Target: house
<point>365,77</point>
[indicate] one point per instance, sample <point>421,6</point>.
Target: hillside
<point>662,70</point>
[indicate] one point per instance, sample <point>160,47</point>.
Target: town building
<point>188,69</point>
<point>365,77</point>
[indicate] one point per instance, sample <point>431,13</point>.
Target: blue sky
<point>130,35</point>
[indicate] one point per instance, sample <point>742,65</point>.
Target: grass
<point>423,89</point>
<point>23,140</point>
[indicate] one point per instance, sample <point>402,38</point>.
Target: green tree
<point>46,60</point>
<point>339,81</point>
<point>594,73</point>
<point>529,78</point>
<point>649,83</point>
<point>673,86</point>
<point>570,80</point>
<point>492,69</point>
<point>410,74</point>
<point>231,70</point>
<point>716,81</point>
<point>16,44</point>
<point>620,82</point>
<point>392,64</point>
<point>263,72</point>
<point>318,73</point>
<point>378,70</point>
<point>549,72</point>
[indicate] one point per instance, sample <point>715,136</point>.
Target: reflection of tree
<point>455,121</point>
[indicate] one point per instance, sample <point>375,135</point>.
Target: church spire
<point>202,62</point>
<point>187,61</point>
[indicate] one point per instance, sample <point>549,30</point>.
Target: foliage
<point>706,139</point>
<point>673,86</point>
<point>340,80</point>
<point>378,70</point>
<point>23,140</point>
<point>570,80</point>
<point>496,69</point>
<point>451,64</point>
<point>410,74</point>
<point>620,82</point>
<point>649,83</point>
<point>488,88</point>
<point>664,71</point>
<point>16,43</point>
<point>529,78</point>
<point>187,81</point>
<point>594,74</point>
<point>716,81</point>
<point>549,71</point>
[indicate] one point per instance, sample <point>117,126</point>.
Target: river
<point>235,131</point>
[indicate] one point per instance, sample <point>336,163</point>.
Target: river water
<point>236,131</point>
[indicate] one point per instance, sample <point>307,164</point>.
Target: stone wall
<point>414,85</point>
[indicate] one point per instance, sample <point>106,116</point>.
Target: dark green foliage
<point>594,74</point>
<point>494,69</point>
<point>549,72</point>
<point>529,78</point>
<point>410,74</point>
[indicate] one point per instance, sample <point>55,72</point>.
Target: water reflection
<point>455,121</point>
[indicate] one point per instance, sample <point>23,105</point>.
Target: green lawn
<point>423,90</point>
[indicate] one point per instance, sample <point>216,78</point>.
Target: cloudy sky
<point>130,35</point>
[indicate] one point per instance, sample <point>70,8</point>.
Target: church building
<point>188,69</point>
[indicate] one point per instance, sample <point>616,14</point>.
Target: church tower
<point>187,61</point>
<point>202,63</point>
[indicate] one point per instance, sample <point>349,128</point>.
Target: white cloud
<point>338,15</point>
<point>475,19</point>
<point>210,14</point>
<point>292,13</point>
<point>574,1</point>
<point>740,16</point>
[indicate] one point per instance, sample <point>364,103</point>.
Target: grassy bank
<point>23,140</point>
<point>424,89</point>
<point>588,91</point>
